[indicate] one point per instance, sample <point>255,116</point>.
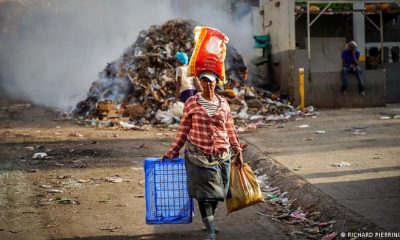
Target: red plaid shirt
<point>212,135</point>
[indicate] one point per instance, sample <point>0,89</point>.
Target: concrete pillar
<point>359,29</point>
<point>279,23</point>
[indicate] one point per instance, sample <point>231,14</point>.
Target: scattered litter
<point>177,109</point>
<point>240,129</point>
<point>116,179</point>
<point>55,191</point>
<point>65,200</point>
<point>271,196</point>
<point>310,225</point>
<point>397,116</point>
<point>384,117</point>
<point>357,132</point>
<point>311,230</point>
<point>298,215</point>
<point>30,148</point>
<point>83,180</point>
<point>303,126</point>
<point>58,164</point>
<point>39,155</point>
<point>262,178</point>
<point>329,236</point>
<point>320,132</point>
<point>110,228</point>
<point>256,117</point>
<point>308,139</point>
<point>297,169</point>
<point>165,117</point>
<point>63,176</point>
<point>342,164</point>
<point>78,135</point>
<point>128,125</point>
<point>284,200</point>
<point>243,113</point>
<point>45,186</point>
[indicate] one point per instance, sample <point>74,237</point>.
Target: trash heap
<point>142,81</point>
<point>139,87</point>
<point>304,223</point>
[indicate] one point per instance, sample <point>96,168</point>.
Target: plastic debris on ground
<point>342,164</point>
<point>55,191</point>
<point>358,132</point>
<point>116,179</point>
<point>304,126</point>
<point>384,117</point>
<point>177,109</point>
<point>307,224</point>
<point>320,132</point>
<point>65,200</point>
<point>39,155</point>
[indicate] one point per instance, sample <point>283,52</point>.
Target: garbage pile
<point>306,224</point>
<point>139,87</point>
<point>142,81</point>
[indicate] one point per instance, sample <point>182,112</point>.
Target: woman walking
<point>208,133</point>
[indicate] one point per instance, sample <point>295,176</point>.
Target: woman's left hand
<point>239,158</point>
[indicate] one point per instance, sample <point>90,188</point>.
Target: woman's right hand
<point>169,155</point>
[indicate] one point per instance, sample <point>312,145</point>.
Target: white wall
<point>279,23</point>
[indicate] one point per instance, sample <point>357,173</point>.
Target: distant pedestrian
<point>208,133</point>
<point>185,86</point>
<point>350,64</point>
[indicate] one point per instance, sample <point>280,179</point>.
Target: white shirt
<point>186,81</point>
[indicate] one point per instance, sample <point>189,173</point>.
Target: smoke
<point>51,51</point>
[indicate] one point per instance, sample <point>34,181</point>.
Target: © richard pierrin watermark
<point>366,235</point>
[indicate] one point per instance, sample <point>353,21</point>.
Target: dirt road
<point>91,185</point>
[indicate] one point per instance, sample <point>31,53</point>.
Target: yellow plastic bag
<point>244,188</point>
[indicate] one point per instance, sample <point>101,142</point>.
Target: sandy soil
<point>80,161</point>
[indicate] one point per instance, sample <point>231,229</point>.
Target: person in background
<point>350,64</point>
<point>207,130</point>
<point>185,86</point>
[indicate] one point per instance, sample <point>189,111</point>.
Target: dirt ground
<point>83,163</point>
<point>91,186</point>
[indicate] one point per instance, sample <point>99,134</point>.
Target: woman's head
<point>208,81</point>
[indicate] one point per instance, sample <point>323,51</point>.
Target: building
<point>305,34</point>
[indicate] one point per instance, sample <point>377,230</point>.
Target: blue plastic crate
<point>167,198</point>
